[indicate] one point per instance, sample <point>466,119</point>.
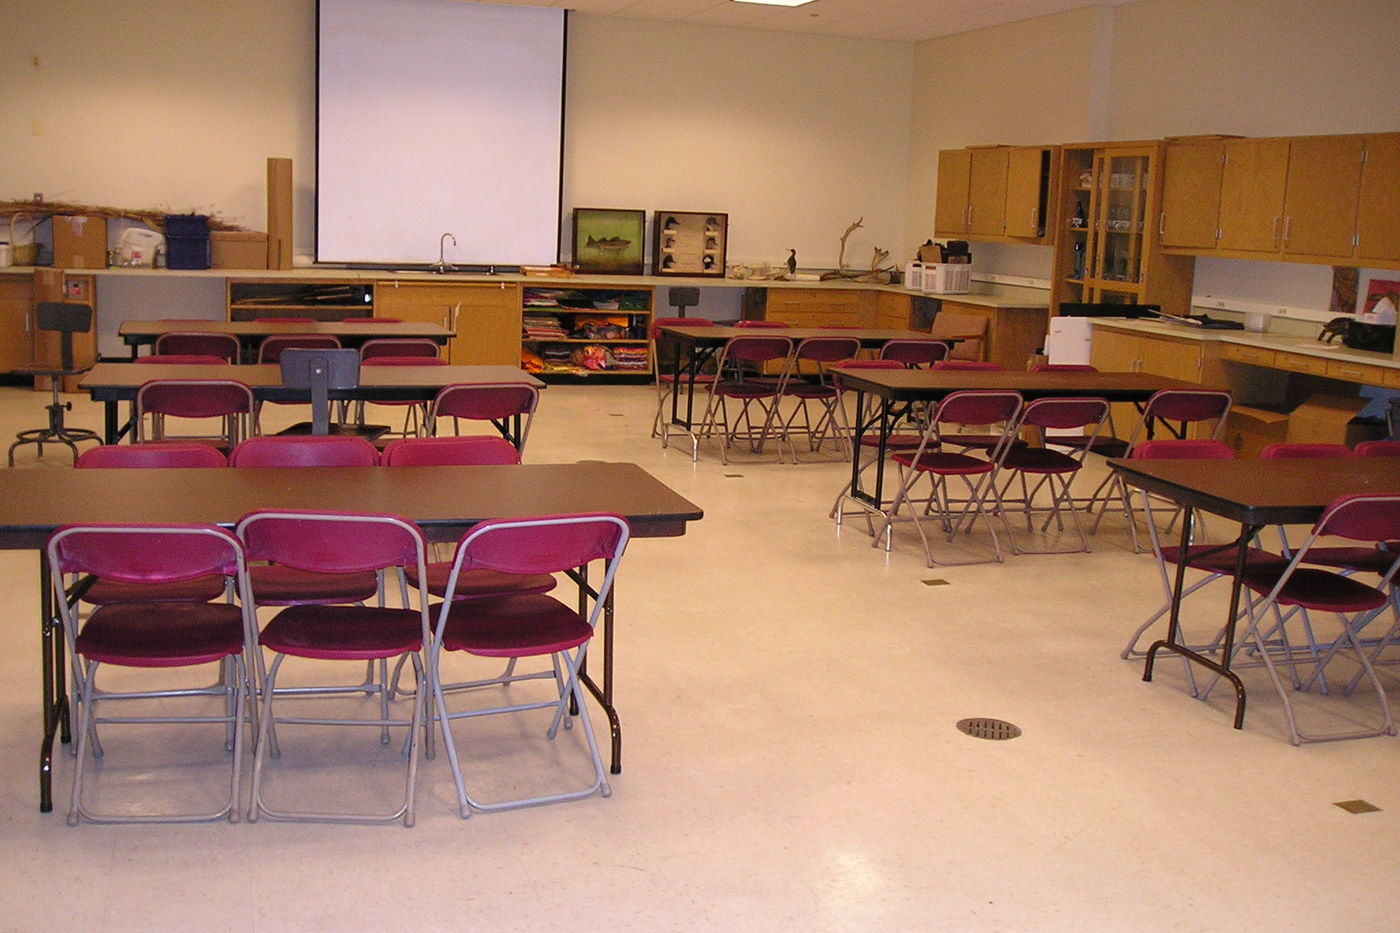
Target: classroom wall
<point>1152,69</point>
<point>149,103</point>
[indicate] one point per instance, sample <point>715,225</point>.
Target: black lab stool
<point>65,319</point>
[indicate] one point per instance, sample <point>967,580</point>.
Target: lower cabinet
<point>485,317</point>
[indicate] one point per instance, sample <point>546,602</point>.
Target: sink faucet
<point>442,265</point>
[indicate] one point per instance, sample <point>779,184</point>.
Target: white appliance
<point>1069,340</point>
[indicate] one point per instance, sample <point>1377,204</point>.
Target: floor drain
<point>983,728</point>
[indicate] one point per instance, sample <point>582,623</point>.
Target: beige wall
<point>1152,69</point>
<point>150,103</point>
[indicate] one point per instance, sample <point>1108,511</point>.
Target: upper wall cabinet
<point>1326,199</point>
<point>1378,215</point>
<point>1293,197</point>
<point>994,193</point>
<point>1191,175</point>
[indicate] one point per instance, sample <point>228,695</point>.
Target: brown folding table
<point>444,501</point>
<point>1255,493</point>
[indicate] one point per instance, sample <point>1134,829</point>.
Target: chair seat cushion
<point>937,461</point>
<point>1039,460</point>
<point>978,441</point>
<point>1363,559</point>
<point>161,634</point>
<point>1313,588</point>
<point>199,590</point>
<point>810,391</point>
<point>475,584</point>
<point>513,627</point>
<point>748,390</point>
<point>894,441</point>
<point>1103,446</point>
<point>275,584</point>
<point>351,633</point>
<point>1198,557</point>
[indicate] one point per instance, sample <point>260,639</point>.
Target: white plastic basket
<point>947,278</point>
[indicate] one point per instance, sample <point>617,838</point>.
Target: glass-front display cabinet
<point>1107,250</point>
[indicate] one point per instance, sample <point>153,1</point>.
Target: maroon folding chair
<point>161,634</point>
<point>529,626</point>
<point>338,544</point>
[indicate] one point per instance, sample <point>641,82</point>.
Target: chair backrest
<point>1302,451</point>
<point>183,359</point>
<point>913,352</point>
<point>150,456</point>
<point>403,361</point>
<point>860,364</point>
<point>1063,368</point>
<point>826,349</point>
<point>194,398</point>
<point>1172,448</point>
<point>1378,449</point>
<point>970,366</point>
<point>488,401</point>
<point>201,343</point>
<point>399,347</point>
<point>143,553</point>
<point>978,407</point>
<point>270,350</point>
<point>1362,518</point>
<point>66,318</point>
<point>467,450</point>
<point>1185,406</point>
<point>1064,413</point>
<point>545,544</point>
<point>972,328</point>
<point>755,349</point>
<point>681,297</point>
<point>371,320</point>
<point>332,542</point>
<point>304,450</point>
<point>761,324</point>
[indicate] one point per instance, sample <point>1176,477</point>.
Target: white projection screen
<point>433,117</point>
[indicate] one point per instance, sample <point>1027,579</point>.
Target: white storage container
<point>947,278</point>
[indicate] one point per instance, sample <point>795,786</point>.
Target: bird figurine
<point>792,261</point>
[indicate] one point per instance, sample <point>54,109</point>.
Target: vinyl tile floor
<point>789,698</point>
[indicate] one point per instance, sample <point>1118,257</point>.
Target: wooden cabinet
<point>892,310</point>
<point>821,307</point>
<point>1291,198</point>
<point>993,193</point>
<point>1121,351</point>
<point>1012,336</point>
<point>485,317</point>
<point>1107,250</point>
<point>1378,214</point>
<point>16,320</point>
<point>1191,177</point>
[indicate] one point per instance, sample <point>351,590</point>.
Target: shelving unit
<point>584,332</point>
<point>327,300</point>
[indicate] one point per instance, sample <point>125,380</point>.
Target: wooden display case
<point>689,243</point>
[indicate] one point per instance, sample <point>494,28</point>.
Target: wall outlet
<point>38,197</point>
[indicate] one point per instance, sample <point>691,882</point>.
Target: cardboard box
<point>1329,419</point>
<point>79,241</point>
<point>237,249</point>
<point>1249,430</point>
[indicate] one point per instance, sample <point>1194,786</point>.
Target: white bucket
<point>1256,321</point>
<point>6,256</point>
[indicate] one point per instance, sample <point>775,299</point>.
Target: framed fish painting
<point>609,242</point>
<point>689,243</point>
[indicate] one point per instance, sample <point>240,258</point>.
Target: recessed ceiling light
<point>777,2</point>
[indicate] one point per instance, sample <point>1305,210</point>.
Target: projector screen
<point>434,117</point>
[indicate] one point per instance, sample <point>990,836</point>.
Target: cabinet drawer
<point>1258,356</point>
<point>1298,363</point>
<point>1356,372</point>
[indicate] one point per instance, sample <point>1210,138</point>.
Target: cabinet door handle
<point>1277,221</point>
<point>1287,227</point>
<point>1035,218</point>
<point>1162,224</point>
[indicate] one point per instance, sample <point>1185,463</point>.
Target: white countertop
<point>1307,346</point>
